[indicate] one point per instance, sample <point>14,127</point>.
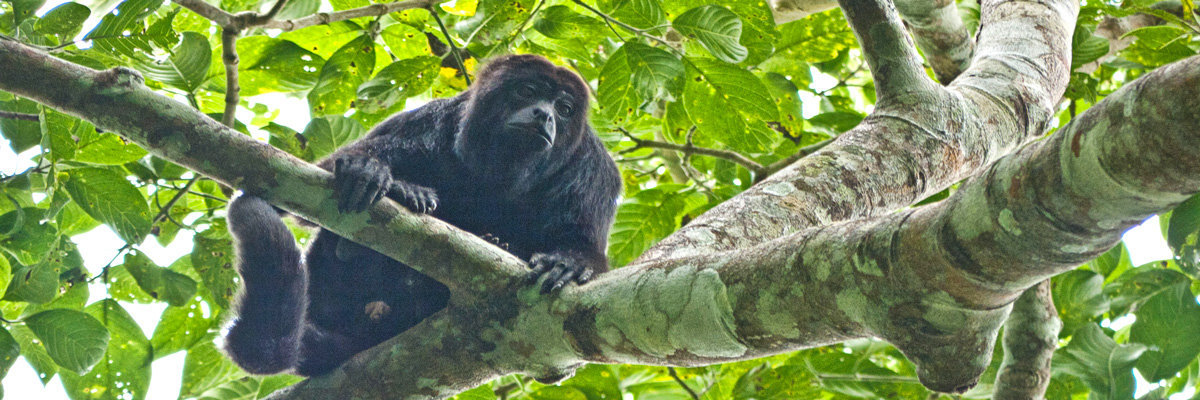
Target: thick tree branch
<point>1030,337</point>
<point>890,54</point>
<point>115,100</point>
<point>248,19</point>
<point>941,35</point>
<point>786,11</point>
<point>914,145</point>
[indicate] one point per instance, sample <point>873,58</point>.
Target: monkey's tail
<point>265,335</point>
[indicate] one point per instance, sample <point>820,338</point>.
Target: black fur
<point>512,158</point>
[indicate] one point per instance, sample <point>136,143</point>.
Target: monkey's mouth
<point>532,131</point>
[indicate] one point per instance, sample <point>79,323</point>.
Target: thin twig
<point>244,20</point>
<point>18,116</point>
<point>692,149</point>
<point>803,152</point>
<point>671,371</point>
<point>453,47</point>
<point>640,32</point>
<point>232,88</point>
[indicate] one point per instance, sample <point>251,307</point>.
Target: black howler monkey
<point>512,157</point>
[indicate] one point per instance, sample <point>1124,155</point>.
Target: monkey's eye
<point>564,108</point>
<point>526,91</point>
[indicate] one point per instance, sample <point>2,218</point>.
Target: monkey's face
<point>540,112</point>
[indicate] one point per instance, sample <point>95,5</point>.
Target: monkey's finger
<point>584,276</point>
<point>563,280</point>
<point>539,269</point>
<point>551,278</point>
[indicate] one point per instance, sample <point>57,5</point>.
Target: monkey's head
<point>520,109</point>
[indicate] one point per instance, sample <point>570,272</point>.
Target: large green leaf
<point>63,21</point>
<point>275,65</point>
<point>187,67</point>
<point>644,14</point>
<point>205,369</point>
<point>1183,233</point>
<point>1135,287</point>
<point>396,82</point>
<point>9,349</point>
<point>109,198</point>
<point>179,328</point>
<point>405,41</point>
<point>329,133</point>
<point>340,77</point>
<point>33,350</point>
<point>1104,366</point>
<point>160,283</point>
<point>1086,47</point>
<point>1079,298</point>
<point>124,371</point>
<point>123,31</point>
<point>33,284</point>
<point>715,89</point>
<point>647,217</point>
<point>212,259</point>
<point>73,339</point>
<point>1169,323</point>
<point>716,28</point>
<point>28,238</point>
<point>634,74</point>
<point>559,22</point>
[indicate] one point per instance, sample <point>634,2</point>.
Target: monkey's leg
<point>321,351</point>
<point>265,336</point>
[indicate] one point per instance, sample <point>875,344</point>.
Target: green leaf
<point>1135,287</point>
<point>205,368</point>
<point>396,82</point>
<point>1086,47</point>
<point>63,21</point>
<point>326,39</point>
<point>1158,45</point>
<point>56,134</point>
<point>109,198</point>
<point>818,38</point>
<point>1183,232</point>
<point>30,238</point>
<point>21,134</point>
<point>644,14</point>
<point>287,139</point>
<point>559,22</point>
<point>1169,322</point>
<point>34,352</point>
<point>717,29</point>
<point>274,65</point>
<point>34,284</point>
<point>714,89</point>
<point>180,328</point>
<point>187,67</point>
<point>23,9</point>
<point>1078,297</point>
<point>340,77</point>
<point>647,217</point>
<point>404,41</point>
<point>9,350</point>
<point>123,31</point>
<point>634,74</point>
<point>73,339</point>
<point>1104,366</point>
<point>5,275</point>
<point>327,134</point>
<point>124,371</point>
<point>1112,263</point>
<point>212,259</point>
<point>160,283</point>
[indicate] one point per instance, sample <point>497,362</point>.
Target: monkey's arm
<point>578,236</point>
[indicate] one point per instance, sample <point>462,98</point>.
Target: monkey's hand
<point>360,181</point>
<point>561,268</point>
<point>415,197</point>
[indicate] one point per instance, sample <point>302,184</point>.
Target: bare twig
<point>684,385</point>
<point>692,149</point>
<point>243,20</point>
<point>18,116</point>
<point>453,47</point>
<point>803,152</point>
<point>232,88</point>
<point>640,32</point>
